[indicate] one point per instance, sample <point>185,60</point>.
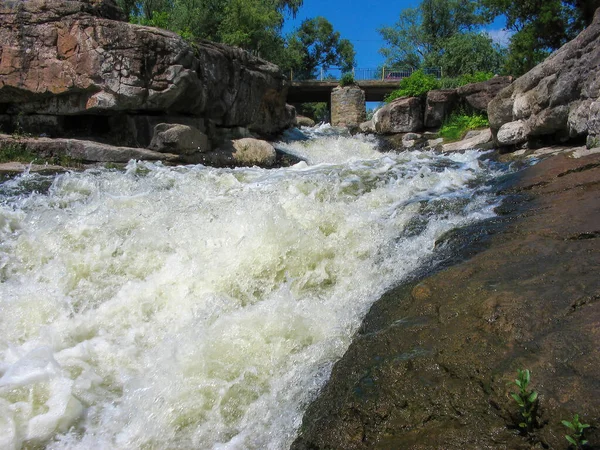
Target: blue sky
<point>358,21</point>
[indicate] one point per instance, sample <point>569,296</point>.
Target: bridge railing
<point>364,74</point>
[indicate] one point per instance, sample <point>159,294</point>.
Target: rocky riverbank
<point>434,363</point>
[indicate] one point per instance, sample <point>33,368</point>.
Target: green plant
<point>416,85</point>
<point>14,151</point>
<point>347,80</point>
<point>527,400</point>
<point>455,126</point>
<point>578,429</point>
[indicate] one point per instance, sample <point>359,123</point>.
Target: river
<point>199,308</point>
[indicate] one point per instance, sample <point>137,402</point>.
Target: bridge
<point>320,91</point>
<point>376,83</point>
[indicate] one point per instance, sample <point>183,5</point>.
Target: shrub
<point>455,126</point>
<point>416,85</point>
<point>347,80</point>
<point>456,82</point>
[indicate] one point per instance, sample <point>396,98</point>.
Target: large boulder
<point>77,58</point>
<point>179,139</point>
<point>479,95</point>
<point>348,106</point>
<point>254,152</point>
<point>554,100</point>
<point>403,115</point>
<point>438,106</point>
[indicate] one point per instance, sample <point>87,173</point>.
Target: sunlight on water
<point>193,307</point>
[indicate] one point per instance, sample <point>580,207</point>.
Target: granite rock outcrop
<point>76,69</point>
<point>557,100</point>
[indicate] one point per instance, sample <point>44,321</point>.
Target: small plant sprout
<point>576,438</point>
<point>525,399</point>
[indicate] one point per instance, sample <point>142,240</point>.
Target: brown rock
<point>179,139</point>
<point>348,106</point>
<point>435,370</point>
<point>254,152</point>
<point>402,115</point>
<point>479,95</point>
<point>72,58</point>
<point>438,106</point>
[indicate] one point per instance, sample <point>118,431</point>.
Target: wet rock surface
<point>435,360</point>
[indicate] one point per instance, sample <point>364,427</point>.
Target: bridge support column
<point>348,107</point>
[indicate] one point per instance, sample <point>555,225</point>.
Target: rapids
<point>201,308</point>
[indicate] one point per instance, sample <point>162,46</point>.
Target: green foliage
<point>455,126</point>
<point>576,437</point>
<point>16,152</point>
<point>540,27</point>
<point>455,82</point>
<point>317,111</point>
<point>527,400</point>
<point>469,53</point>
<point>316,44</point>
<point>254,25</point>
<point>417,84</point>
<point>347,80</point>
<point>418,38</point>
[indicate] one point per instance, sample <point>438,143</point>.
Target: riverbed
<point>196,307</point>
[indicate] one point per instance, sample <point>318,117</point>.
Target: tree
<point>540,26</point>
<point>254,25</point>
<point>316,44</point>
<point>468,53</point>
<point>419,36</point>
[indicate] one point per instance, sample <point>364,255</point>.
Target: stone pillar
<point>348,107</point>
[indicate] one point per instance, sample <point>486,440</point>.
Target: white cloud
<point>500,36</point>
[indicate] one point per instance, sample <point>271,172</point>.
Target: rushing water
<point>198,308</point>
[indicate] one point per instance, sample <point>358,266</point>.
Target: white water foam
<point>194,307</point>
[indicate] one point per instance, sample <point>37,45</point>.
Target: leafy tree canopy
<point>316,44</point>
<point>540,26</point>
<point>419,37</point>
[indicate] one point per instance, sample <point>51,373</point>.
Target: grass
<point>17,152</point>
<point>457,125</point>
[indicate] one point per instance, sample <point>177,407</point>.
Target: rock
<point>479,95</point>
<point>434,361</point>
<point>367,127</point>
<point>348,108</point>
<point>433,143</point>
<point>402,115</point>
<point>438,106</point>
<point>478,141</point>
<point>593,139</point>
<point>512,133</point>
<point>71,62</point>
<point>253,152</point>
<point>179,139</point>
<point>303,121</point>
<point>555,98</point>
<point>17,167</point>
<point>86,151</point>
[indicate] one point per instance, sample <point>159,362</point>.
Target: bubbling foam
<point>194,307</point>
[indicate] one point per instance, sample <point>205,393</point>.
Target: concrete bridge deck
<point>320,91</point>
